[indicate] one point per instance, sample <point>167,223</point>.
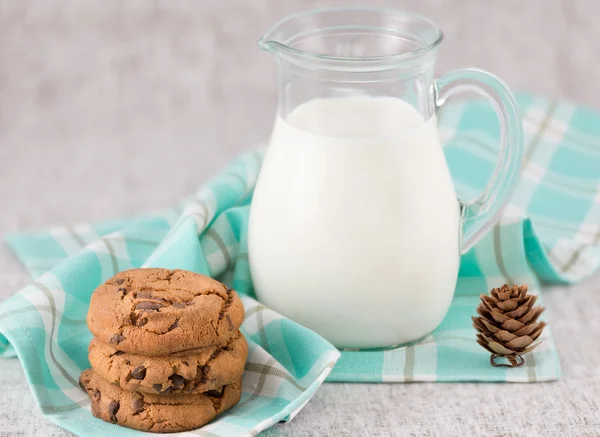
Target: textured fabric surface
<point>43,321</point>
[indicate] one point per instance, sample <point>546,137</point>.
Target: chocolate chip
<point>123,290</point>
<point>119,281</point>
<point>177,381</point>
<point>144,294</point>
<point>215,393</point>
<point>229,322</point>
<point>97,395</point>
<point>138,373</point>
<point>113,408</point>
<point>205,369</point>
<point>158,388</point>
<point>173,326</point>
<point>138,406</point>
<point>142,321</point>
<point>118,354</point>
<point>153,306</point>
<point>179,305</point>
<point>116,339</point>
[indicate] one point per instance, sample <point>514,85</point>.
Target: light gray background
<point>114,107</point>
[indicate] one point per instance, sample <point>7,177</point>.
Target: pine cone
<point>508,326</point>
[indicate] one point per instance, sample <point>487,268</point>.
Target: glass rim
<point>270,45</point>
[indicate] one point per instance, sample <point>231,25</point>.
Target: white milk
<point>354,224</point>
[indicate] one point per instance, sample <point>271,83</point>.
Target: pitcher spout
<point>269,45</point>
<point>354,37</point>
<point>279,36</point>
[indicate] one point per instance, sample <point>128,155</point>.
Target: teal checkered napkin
<point>550,233</point>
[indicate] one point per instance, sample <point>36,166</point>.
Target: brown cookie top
<point>157,312</point>
<point>156,413</point>
<point>204,370</point>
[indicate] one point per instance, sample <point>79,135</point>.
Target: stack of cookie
<point>167,354</point>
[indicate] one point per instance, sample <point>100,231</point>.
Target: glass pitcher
<point>355,229</point>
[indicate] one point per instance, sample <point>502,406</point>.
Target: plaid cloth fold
<point>550,232</point>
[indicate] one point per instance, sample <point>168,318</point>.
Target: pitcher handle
<point>482,212</point>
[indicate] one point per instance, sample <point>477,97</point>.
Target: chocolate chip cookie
<point>203,370</point>
<point>156,312</point>
<point>156,413</point>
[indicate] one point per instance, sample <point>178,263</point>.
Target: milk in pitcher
<point>354,225</point>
